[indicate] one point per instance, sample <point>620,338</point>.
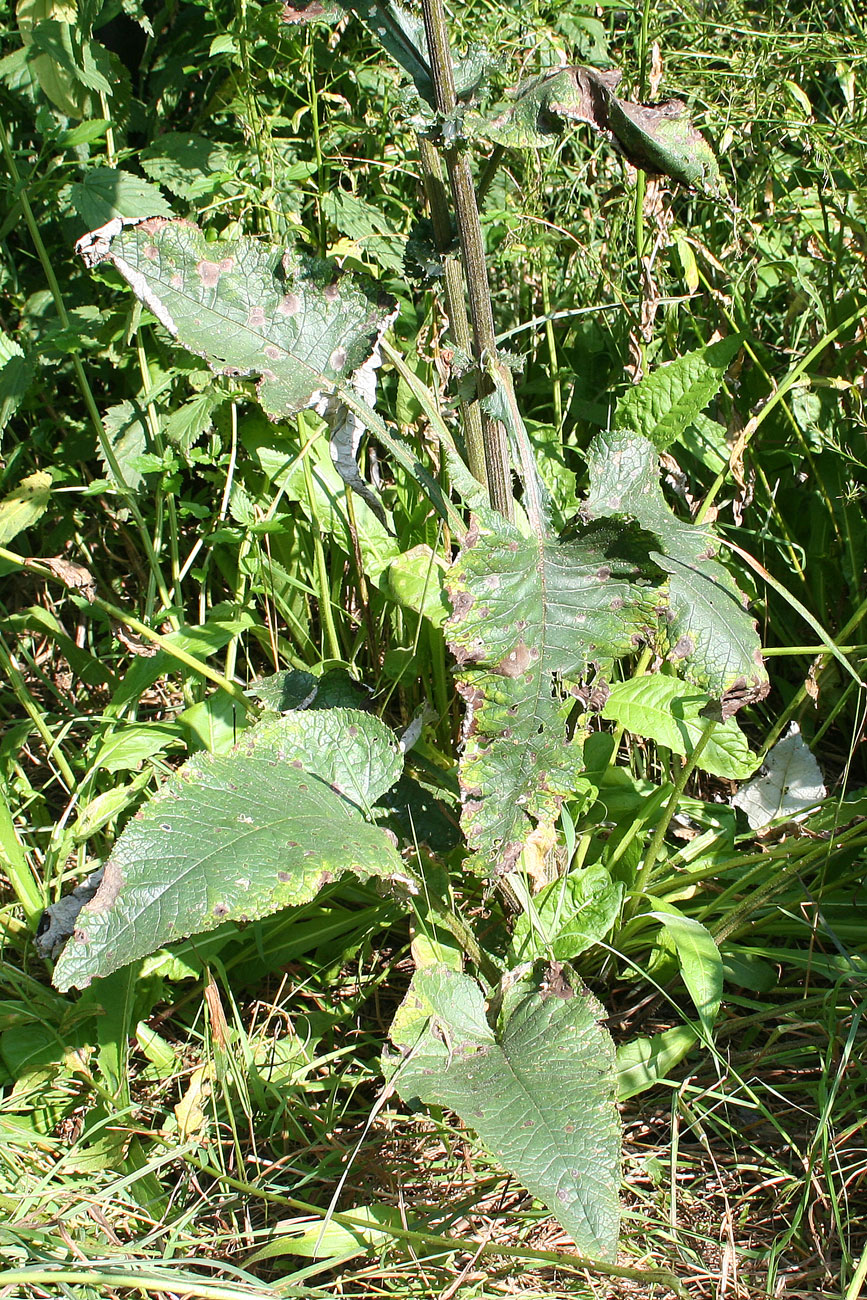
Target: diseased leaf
<point>249,308</point>
<point>665,403</point>
<point>529,615</point>
<point>705,629</point>
<point>669,711</point>
<point>658,137</point>
<point>24,505</point>
<point>232,837</point>
<point>538,1088</point>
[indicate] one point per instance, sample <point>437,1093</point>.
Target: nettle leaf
<point>669,711</point>
<point>238,836</point>
<point>186,164</point>
<point>537,1087</point>
<point>127,430</point>
<point>657,137</point>
<point>529,616</point>
<point>106,193</point>
<point>249,307</point>
<point>16,375</point>
<point>665,403</point>
<point>706,630</point>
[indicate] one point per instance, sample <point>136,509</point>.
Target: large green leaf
<point>249,308</point>
<point>529,615</point>
<point>538,1088</point>
<point>706,629</point>
<point>665,403</point>
<point>669,711</point>
<point>237,836</point>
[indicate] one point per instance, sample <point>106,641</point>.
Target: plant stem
<point>434,186</point>
<point>103,440</point>
<point>473,256</point>
<point>654,848</point>
<point>426,1240</point>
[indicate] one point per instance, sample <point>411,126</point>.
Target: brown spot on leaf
<point>516,662</point>
<point>337,360</point>
<point>330,292</point>
<point>209,273</point>
<point>255,318</point>
<point>220,909</point>
<point>110,886</point>
<point>177,280</point>
<point>684,648</point>
<point>289,304</point>
<point>151,252</point>
<point>227,264</point>
<point>272,353</point>
<point>283,877</point>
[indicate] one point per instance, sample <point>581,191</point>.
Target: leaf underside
<point>538,1089</point>
<point>249,308</point>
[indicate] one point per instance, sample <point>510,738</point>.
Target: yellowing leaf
<point>190,1110</point>
<point>22,507</point>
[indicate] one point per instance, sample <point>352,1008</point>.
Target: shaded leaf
<point>706,629</point>
<point>106,193</point>
<point>186,164</point>
<point>126,429</point>
<point>16,376</point>
<point>538,1088</point>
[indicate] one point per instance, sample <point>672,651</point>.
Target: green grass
<point>159,1129</point>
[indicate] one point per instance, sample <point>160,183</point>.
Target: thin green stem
<point>326,613</point>
<point>105,444</point>
<point>654,847</point>
<point>142,630</point>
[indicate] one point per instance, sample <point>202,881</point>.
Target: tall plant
<point>539,620</point>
